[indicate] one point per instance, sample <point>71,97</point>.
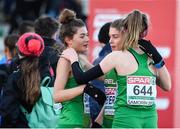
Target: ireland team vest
<point>137,90</point>
<point>111,92</point>
<point>72,114</point>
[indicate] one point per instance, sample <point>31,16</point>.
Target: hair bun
<point>67,16</point>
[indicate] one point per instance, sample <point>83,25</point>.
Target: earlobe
<point>68,41</point>
<point>70,44</point>
<point>143,34</point>
<point>6,50</point>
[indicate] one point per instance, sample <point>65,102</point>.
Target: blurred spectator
<point>103,37</point>
<point>16,11</point>
<point>53,7</point>
<point>75,5</point>
<point>48,29</point>
<point>10,52</point>
<point>10,46</point>
<point>8,8</point>
<point>10,60</point>
<point>24,10</point>
<point>26,26</point>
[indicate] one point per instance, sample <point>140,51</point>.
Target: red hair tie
<point>34,45</point>
<point>30,44</point>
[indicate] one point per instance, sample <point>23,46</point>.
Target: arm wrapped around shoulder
<point>84,77</point>
<point>152,52</point>
<point>95,93</point>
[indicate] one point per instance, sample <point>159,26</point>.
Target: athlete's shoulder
<point>118,53</point>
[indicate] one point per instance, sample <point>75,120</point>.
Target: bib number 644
<point>142,90</point>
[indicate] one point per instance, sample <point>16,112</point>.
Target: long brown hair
<point>30,79</point>
<point>30,46</point>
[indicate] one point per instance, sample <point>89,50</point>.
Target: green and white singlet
<point>72,113</point>
<point>111,92</point>
<point>135,102</point>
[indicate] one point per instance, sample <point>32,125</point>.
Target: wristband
<point>160,64</point>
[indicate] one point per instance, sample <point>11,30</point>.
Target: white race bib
<point>111,93</point>
<point>141,90</point>
<point>86,104</point>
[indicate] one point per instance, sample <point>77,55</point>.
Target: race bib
<point>86,104</point>
<point>141,90</point>
<point>111,93</point>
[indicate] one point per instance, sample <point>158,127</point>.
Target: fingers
<point>142,48</point>
<point>144,42</point>
<point>70,54</point>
